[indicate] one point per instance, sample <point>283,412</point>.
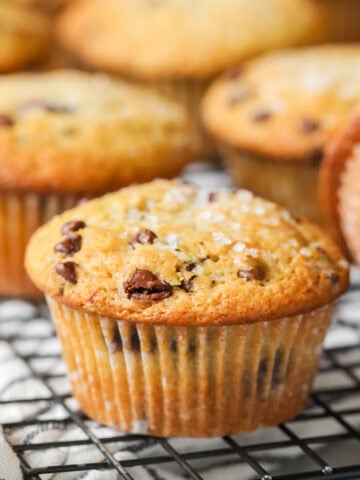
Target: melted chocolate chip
<point>69,245</point>
<point>186,285</point>
<point>67,270</point>
<point>213,197</point>
<point>145,237</point>
<point>251,273</point>
<point>314,155</point>
<point>308,125</point>
<point>334,278</point>
<point>116,343</point>
<point>233,73</point>
<point>144,285</point>
<point>173,346</point>
<point>72,226</point>
<point>6,121</point>
<point>42,104</point>
<point>261,116</point>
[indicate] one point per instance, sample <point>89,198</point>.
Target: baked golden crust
<point>69,131</point>
<point>339,187</point>
<point>180,39</point>
<point>165,253</point>
<point>24,36</point>
<point>286,105</point>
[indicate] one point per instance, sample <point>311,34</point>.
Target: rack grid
<point>321,436</point>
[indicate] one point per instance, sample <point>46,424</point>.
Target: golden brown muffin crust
<point>182,39</point>
<point>166,253</point>
<point>285,105</point>
<point>69,131</point>
<point>24,36</point>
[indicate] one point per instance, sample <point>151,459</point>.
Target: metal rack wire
<point>315,459</point>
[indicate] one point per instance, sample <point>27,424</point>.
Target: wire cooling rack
<point>321,443</point>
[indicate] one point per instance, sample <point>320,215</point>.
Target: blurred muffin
<point>339,188</point>
<point>24,36</point>
<point>65,135</point>
<point>179,46</point>
<point>274,115</point>
<point>187,313</point>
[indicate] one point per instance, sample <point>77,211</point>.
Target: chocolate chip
<point>314,155</point>
<point>145,237</point>
<point>308,125</point>
<point>190,266</point>
<point>186,285</point>
<point>144,285</point>
<point>6,121</point>
<point>192,347</point>
<point>72,226</point>
<point>213,196</point>
<point>233,73</point>
<point>42,104</point>
<point>334,278</point>
<point>261,116</point>
<point>277,377</point>
<point>67,270</point>
<point>116,343</point>
<point>69,245</point>
<point>251,273</point>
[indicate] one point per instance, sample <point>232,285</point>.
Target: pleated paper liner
<point>21,213</point>
<point>343,17</point>
<point>190,381</point>
<point>293,184</point>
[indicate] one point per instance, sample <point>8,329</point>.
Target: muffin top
<point>69,131</point>
<point>24,36</point>
<point>168,253</point>
<point>180,38</point>
<point>285,105</point>
<point>339,187</point>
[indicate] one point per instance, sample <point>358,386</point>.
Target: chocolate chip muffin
<point>24,36</point>
<point>185,312</point>
<point>273,116</point>
<point>65,135</point>
<point>178,46</point>
<point>339,188</point>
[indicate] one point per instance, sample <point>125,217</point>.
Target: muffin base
<point>190,381</point>
<point>293,184</point>
<point>21,213</point>
<point>343,18</point>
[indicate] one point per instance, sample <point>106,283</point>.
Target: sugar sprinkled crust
<point>286,105</point>
<point>233,259</point>
<point>24,36</point>
<point>182,39</point>
<point>70,131</point>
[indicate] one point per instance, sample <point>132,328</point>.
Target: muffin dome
<point>166,252</point>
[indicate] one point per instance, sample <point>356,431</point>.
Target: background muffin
<point>179,46</point>
<point>339,188</point>
<point>65,135</point>
<point>342,17</point>
<point>24,36</point>
<point>185,312</point>
<point>273,117</point>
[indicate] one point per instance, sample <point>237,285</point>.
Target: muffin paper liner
<point>21,213</point>
<point>344,18</point>
<point>190,381</point>
<point>293,184</point>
